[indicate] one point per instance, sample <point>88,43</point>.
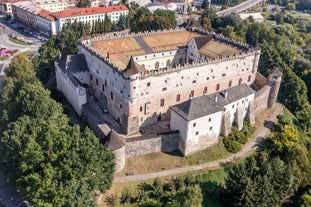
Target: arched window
<point>168,63</point>
<point>157,65</point>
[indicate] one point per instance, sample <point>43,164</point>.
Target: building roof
<point>206,105</point>
<point>256,16</point>
<point>46,15</point>
<point>27,6</point>
<point>89,11</point>
<point>72,64</point>
<point>215,48</point>
<point>119,50</point>
<point>201,41</point>
<point>276,72</point>
<point>10,1</point>
<point>114,141</point>
<point>42,2</point>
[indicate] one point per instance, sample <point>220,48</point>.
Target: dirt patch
<point>153,162</point>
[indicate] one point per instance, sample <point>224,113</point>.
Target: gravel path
<point>258,136</point>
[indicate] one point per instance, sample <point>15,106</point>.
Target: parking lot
<point>26,32</point>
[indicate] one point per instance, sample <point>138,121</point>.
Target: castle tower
<point>130,123</point>
<point>132,71</point>
<point>115,143</point>
<point>275,78</point>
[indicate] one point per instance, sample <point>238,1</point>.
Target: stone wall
<point>120,158</point>
<point>151,143</point>
<point>261,99</point>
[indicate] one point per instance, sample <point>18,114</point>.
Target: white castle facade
<point>198,83</point>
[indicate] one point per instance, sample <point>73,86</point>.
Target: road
<point>5,29</point>
<point>238,8</point>
<point>258,136</point>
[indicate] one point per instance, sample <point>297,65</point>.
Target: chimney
<point>216,99</point>
<point>225,93</point>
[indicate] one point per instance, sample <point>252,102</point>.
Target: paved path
<point>8,194</point>
<point>258,136</point>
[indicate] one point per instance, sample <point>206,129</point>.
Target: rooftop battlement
<point>88,45</point>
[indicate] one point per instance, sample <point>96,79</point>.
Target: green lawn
<point>212,186</point>
<point>17,41</point>
<point>29,52</point>
<point>215,152</point>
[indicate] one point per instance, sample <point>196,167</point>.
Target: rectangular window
<point>205,90</point>
<point>217,87</point>
<point>194,81</point>
<point>210,119</point>
<point>162,102</point>
<point>141,108</point>
<point>196,133</point>
<point>164,89</point>
<point>192,93</point>
<point>91,76</point>
<point>194,124</point>
<point>105,82</point>
<point>210,128</point>
<point>111,95</point>
<point>230,83</point>
<point>120,106</point>
<point>96,81</point>
<point>103,87</point>
<point>148,84</point>
<point>178,98</point>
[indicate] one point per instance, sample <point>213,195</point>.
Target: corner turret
<point>275,78</point>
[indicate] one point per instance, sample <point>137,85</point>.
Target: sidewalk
<point>258,136</point>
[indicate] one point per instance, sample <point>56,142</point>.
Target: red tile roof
<point>10,1</point>
<point>88,11</point>
<point>47,15</point>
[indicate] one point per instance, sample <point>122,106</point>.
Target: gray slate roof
<point>71,64</point>
<point>201,41</point>
<point>206,105</point>
<point>114,141</point>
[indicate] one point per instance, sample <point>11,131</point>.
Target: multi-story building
<point>200,83</point>
<point>26,13</point>
<point>51,23</point>
<point>6,6</point>
<point>51,5</point>
<point>89,15</point>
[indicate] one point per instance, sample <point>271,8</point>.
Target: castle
<point>194,83</point>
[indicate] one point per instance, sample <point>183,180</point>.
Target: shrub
<point>231,145</point>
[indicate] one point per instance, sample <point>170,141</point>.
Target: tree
<point>107,24</point>
<point>286,140</point>
<point>44,156</point>
<point>206,24</point>
<point>305,199</point>
<point>122,23</point>
<point>84,3</point>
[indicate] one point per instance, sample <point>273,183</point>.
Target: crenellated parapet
<point>119,35</point>
<point>208,61</point>
<point>246,51</point>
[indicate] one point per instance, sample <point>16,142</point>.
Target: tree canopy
<point>51,162</point>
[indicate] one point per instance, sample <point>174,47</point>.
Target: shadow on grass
<point>212,193</point>
<point>175,153</point>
